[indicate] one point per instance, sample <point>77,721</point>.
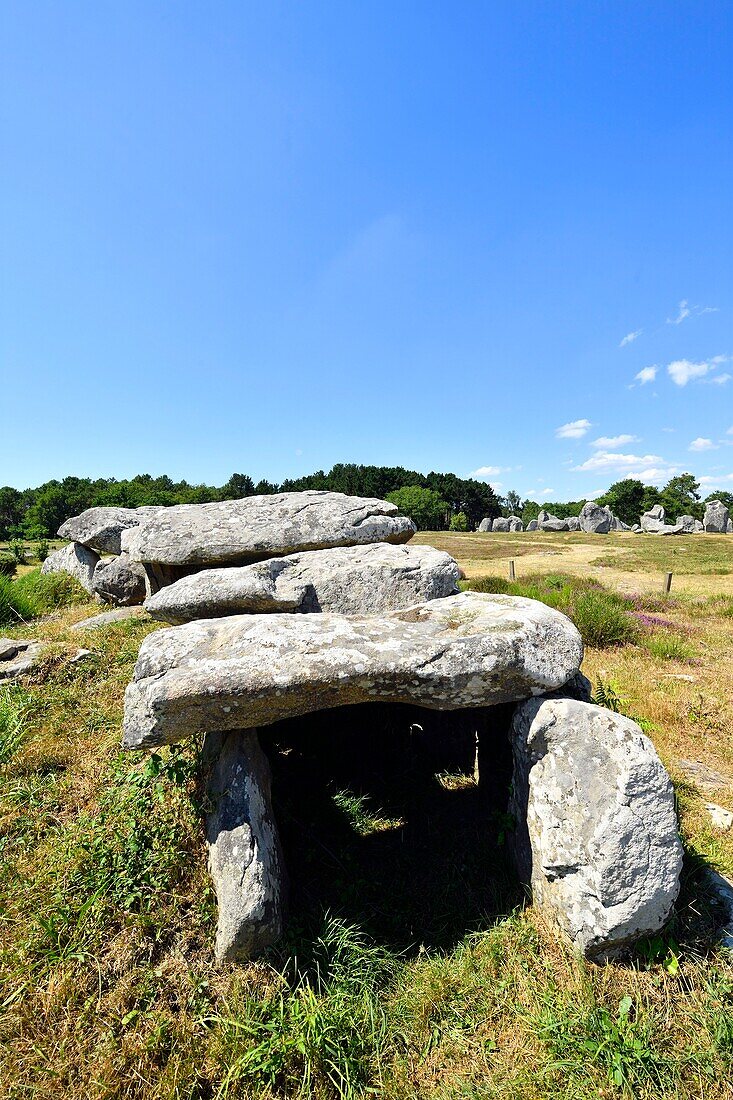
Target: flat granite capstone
<point>238,531</point>
<point>350,580</point>
<point>244,671</point>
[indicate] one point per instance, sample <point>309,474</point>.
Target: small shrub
<point>17,549</point>
<point>602,619</point>
<point>8,565</point>
<point>666,646</point>
<point>493,585</point>
<point>13,712</point>
<point>35,593</point>
<point>42,549</point>
<point>459,522</point>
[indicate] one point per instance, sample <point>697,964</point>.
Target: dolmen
<point>291,607</point>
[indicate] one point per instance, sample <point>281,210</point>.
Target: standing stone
<point>245,859</point>
<point>500,524</point>
<point>687,524</point>
<point>547,522</point>
<point>652,520</point>
<point>716,517</point>
<point>485,524</point>
<point>350,580</point>
<point>729,527</point>
<point>573,523</point>
<point>119,581</point>
<point>601,846</point>
<point>515,523</point>
<point>532,525</point>
<point>76,560</point>
<point>595,519</point>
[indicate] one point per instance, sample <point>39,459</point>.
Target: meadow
<point>413,964</point>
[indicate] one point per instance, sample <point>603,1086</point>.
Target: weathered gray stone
<point>702,775</point>
<point>485,524</point>
<point>601,846</point>
<point>245,859</point>
<point>101,528</point>
<point>618,524</point>
<point>532,525</point>
<point>637,529</point>
<point>515,523</point>
<point>595,519</point>
<point>350,580</point>
<point>687,523</point>
<point>573,523</point>
<point>670,529</point>
<point>729,527</point>
<point>721,818</point>
<point>250,670</point>
<point>715,520</point>
<point>548,522</point>
<point>501,523</point>
<point>652,520</point>
<point>699,527</point>
<point>242,531</point>
<point>76,560</point>
<point>107,618</point>
<point>18,656</point>
<point>119,581</point>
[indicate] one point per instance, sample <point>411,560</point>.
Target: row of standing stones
<point>289,605</point>
<point>599,520</point>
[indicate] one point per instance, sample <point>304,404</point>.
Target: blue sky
<point>269,237</point>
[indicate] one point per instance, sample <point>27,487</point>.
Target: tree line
<point>435,501</point>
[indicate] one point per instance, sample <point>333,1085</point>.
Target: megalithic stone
<point>245,858</point>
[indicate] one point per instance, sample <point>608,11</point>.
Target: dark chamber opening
<point>384,824</point>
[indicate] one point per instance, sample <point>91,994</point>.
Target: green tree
<point>513,503</point>
<point>425,507</point>
<point>626,499</point>
<point>459,522</point>
<point>680,496</point>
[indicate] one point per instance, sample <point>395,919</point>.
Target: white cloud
<point>576,429</point>
<point>730,430</point>
<point>718,379</point>
<point>685,310</point>
<point>545,493</point>
<point>646,374</point>
<point>701,444</point>
<point>669,429</point>
<point>489,471</point>
<point>682,371</point>
<point>630,337</point>
<point>648,468</point>
<point>714,482</point>
<point>610,442</point>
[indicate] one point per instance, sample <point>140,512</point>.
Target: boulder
<point>76,560</point>
<point>715,520</point>
<point>238,532</point>
<point>699,527</point>
<point>107,618</point>
<point>670,529</point>
<point>652,520</point>
<point>101,528</point>
<point>245,859</point>
<point>573,523</point>
<point>600,846</point>
<point>729,527</point>
<point>532,525</point>
<point>17,656</point>
<point>350,580</point>
<point>485,524</point>
<point>595,519</point>
<point>500,524</point>
<point>515,523</point>
<point>548,522</point>
<point>637,529</point>
<point>687,524</point>
<point>244,671</point>
<point>119,581</point>
<point>618,524</point>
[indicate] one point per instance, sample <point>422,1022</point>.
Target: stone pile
<point>289,606</point>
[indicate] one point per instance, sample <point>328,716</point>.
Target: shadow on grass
<point>383,824</point>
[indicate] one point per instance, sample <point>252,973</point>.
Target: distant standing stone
<point>573,523</point>
<point>547,522</point>
<point>652,520</point>
<point>515,523</point>
<point>485,524</point>
<point>532,525</point>
<point>76,560</point>
<point>716,517</point>
<point>595,519</point>
<point>500,524</point>
<point>119,581</point>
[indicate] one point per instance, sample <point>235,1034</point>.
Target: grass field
<point>412,966</point>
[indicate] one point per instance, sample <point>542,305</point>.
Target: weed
<point>667,646</point>
<point>14,706</point>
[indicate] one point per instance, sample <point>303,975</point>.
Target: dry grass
<point>107,989</point>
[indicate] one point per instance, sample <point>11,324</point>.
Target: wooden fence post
<point>668,582</point>
<point>511,570</point>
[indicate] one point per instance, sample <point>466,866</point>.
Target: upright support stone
<point>245,858</point>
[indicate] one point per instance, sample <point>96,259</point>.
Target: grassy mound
<point>32,594</point>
